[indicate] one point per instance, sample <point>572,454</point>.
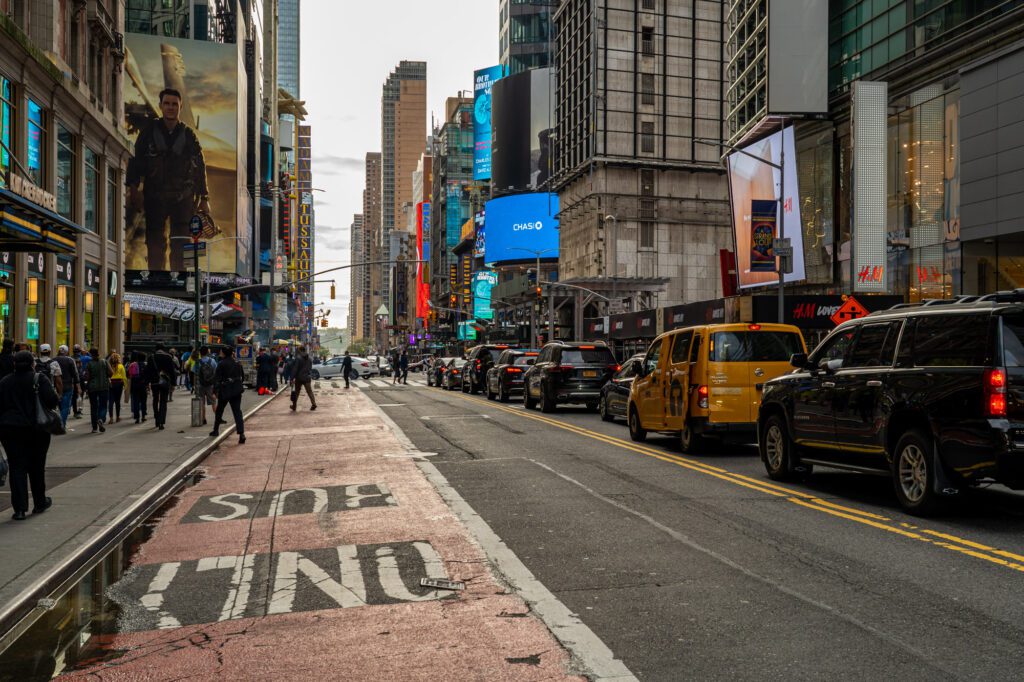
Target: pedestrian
<point>176,366</point>
<point>393,360</point>
<point>162,375</point>
<point>80,360</point>
<point>71,381</point>
<point>49,368</point>
<point>97,381</point>
<point>229,382</point>
<point>346,367</point>
<point>138,386</point>
<point>7,358</point>
<point>26,444</point>
<point>273,370</point>
<point>205,379</point>
<point>403,366</point>
<point>288,365</point>
<point>266,368</point>
<point>302,377</point>
<point>118,380</point>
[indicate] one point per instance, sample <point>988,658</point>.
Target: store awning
<point>173,308</point>
<point>27,226</point>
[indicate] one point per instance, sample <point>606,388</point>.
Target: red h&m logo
<point>805,311</point>
<point>870,273</point>
<point>787,205</point>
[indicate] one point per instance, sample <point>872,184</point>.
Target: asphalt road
<point>701,567</point>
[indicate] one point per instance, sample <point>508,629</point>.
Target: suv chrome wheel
<point>774,447</point>
<point>913,472</point>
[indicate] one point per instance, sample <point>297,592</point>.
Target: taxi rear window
<point>754,346</point>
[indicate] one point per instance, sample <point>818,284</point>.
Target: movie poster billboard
<point>483,282</point>
<point>483,80</point>
<point>751,181</point>
<point>203,157</point>
<point>762,235</point>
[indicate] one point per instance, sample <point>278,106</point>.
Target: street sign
<point>851,309</point>
<point>195,226</point>
<point>782,244</point>
<point>195,246</point>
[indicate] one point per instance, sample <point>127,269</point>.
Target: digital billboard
<point>482,82</point>
<point>522,120</point>
<point>519,226</point>
<point>203,156</point>
<point>752,181</point>
<point>423,254</point>
<point>483,282</point>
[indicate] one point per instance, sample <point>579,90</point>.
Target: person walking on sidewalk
<point>162,376</point>
<point>49,368</point>
<point>81,360</point>
<point>403,366</point>
<point>205,379</point>
<point>97,381</point>
<point>138,386</point>
<point>7,358</point>
<point>346,367</point>
<point>302,377</point>
<point>26,445</point>
<point>229,381</point>
<point>176,376</point>
<point>118,380</point>
<point>70,380</point>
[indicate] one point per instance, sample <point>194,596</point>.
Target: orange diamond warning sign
<point>851,309</point>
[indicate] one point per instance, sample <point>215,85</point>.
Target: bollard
<point>197,410</point>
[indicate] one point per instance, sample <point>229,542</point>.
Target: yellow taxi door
<point>729,398</point>
<point>677,383</point>
<point>648,389</point>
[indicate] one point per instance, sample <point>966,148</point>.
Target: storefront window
<point>34,311</point>
<point>92,188</point>
<point>65,172</point>
<point>35,159</point>
<point>6,308</point>
<point>112,203</point>
<point>89,315</point>
<point>7,127</point>
<point>814,171</point>
<point>113,342</point>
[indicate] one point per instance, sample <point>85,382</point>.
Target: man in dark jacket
<point>26,445</point>
<point>229,381</point>
<point>302,377</point>
<point>162,377</point>
<point>97,378</point>
<point>69,376</point>
<point>346,367</point>
<point>7,358</point>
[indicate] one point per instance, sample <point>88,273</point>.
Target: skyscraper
<point>403,138</point>
<point>371,275</point>
<point>288,46</point>
<point>525,35</point>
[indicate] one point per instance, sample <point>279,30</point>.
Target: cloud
<point>332,164</point>
<point>337,242</point>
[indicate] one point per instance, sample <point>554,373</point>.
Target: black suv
<point>506,376</point>
<point>568,372</point>
<point>930,394</point>
<point>479,360</point>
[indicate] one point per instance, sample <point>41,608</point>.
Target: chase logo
<point>520,227</point>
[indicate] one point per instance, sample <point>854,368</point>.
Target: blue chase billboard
<point>482,82</point>
<point>519,226</point>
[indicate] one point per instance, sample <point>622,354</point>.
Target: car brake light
<point>702,397</point>
<point>586,347</point>
<point>513,370</point>
<point>754,327</point>
<point>995,392</point>
<point>364,364</point>
<point>478,363</point>
<point>615,368</point>
<point>531,355</point>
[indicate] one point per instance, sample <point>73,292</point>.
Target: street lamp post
<point>535,327</point>
<point>613,255</point>
<point>207,277</point>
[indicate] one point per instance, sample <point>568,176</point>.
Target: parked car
<point>385,367</point>
<point>930,395</point>
<point>615,394</point>
<point>453,375</point>
<point>435,373</point>
<point>568,372</point>
<point>480,359</point>
<point>505,377</point>
<point>707,381</point>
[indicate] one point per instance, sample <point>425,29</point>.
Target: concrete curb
<point>24,610</point>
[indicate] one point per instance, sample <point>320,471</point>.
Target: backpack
<point>133,370</point>
<point>206,372</point>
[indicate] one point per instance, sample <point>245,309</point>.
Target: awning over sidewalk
<point>27,226</point>
<point>173,308</point>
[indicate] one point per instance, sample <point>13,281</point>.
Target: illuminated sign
<point>483,80</point>
<point>483,282</point>
<point>520,226</point>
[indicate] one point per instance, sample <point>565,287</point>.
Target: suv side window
<point>874,346</point>
<point>681,348</point>
<point>952,341</point>
<point>834,348</point>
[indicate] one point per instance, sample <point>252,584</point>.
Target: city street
<point>701,567</point>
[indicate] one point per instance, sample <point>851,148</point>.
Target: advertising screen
<point>206,74</point>
<point>422,269</point>
<point>482,82</point>
<point>522,117</point>
<point>752,182</point>
<point>483,282</point>
<point>480,244</point>
<point>521,225</point>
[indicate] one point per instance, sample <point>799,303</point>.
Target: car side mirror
<point>531,361</point>
<point>798,360</point>
<point>830,366</point>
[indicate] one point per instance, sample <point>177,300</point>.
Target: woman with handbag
<point>26,397</point>
<point>228,380</point>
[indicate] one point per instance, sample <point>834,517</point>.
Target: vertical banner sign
<point>870,100</point>
<point>304,244</point>
<point>762,234</point>
<point>482,82</point>
<point>453,280</point>
<point>467,281</point>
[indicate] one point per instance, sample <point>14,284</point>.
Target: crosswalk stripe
<point>359,383</point>
<point>378,382</point>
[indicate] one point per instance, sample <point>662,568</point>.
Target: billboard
<point>519,226</point>
<point>798,57</point>
<point>483,282</point>
<point>207,160</point>
<point>304,244</point>
<point>750,180</point>
<point>522,115</point>
<point>479,245</point>
<point>482,82</point>
<point>423,254</point>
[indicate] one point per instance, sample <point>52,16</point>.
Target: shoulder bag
<point>47,420</point>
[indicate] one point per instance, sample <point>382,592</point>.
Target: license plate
<point>590,373</point>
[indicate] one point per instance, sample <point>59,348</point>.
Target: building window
<point>648,4</point>
<point>646,235</point>
<point>646,182</point>
<point>7,114</point>
<point>647,40</point>
<point>92,189</point>
<point>65,172</point>
<point>111,203</point>
<point>35,159</point>
<point>647,137</point>
<point>647,88</point>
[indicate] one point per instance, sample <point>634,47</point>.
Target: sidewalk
<point>300,555</point>
<point>92,478</point>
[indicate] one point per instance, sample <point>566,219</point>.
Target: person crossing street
<point>346,367</point>
<point>302,378</point>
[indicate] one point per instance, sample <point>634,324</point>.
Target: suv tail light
<point>478,363</point>
<point>614,368</point>
<point>513,370</point>
<point>995,393</point>
<point>702,397</point>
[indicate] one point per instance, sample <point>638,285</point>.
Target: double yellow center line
<point>944,540</point>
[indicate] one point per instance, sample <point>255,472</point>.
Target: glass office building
<point>525,34</point>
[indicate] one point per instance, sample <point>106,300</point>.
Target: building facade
<point>63,156</point>
<point>639,112</point>
<point>288,44</point>
<point>525,34</point>
<point>373,274</point>
<point>358,317</point>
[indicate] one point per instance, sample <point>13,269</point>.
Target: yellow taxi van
<point>706,381</point>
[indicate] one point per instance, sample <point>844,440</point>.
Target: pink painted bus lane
<point>302,553</point>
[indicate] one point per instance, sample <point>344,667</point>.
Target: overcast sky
<point>348,50</point>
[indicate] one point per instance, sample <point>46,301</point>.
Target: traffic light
<point>332,291</point>
<point>323,322</point>
<point>452,300</point>
<point>540,292</point>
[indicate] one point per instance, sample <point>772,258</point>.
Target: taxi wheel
<point>689,440</point>
<point>637,433</point>
<point>547,403</point>
<point>602,409</point>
